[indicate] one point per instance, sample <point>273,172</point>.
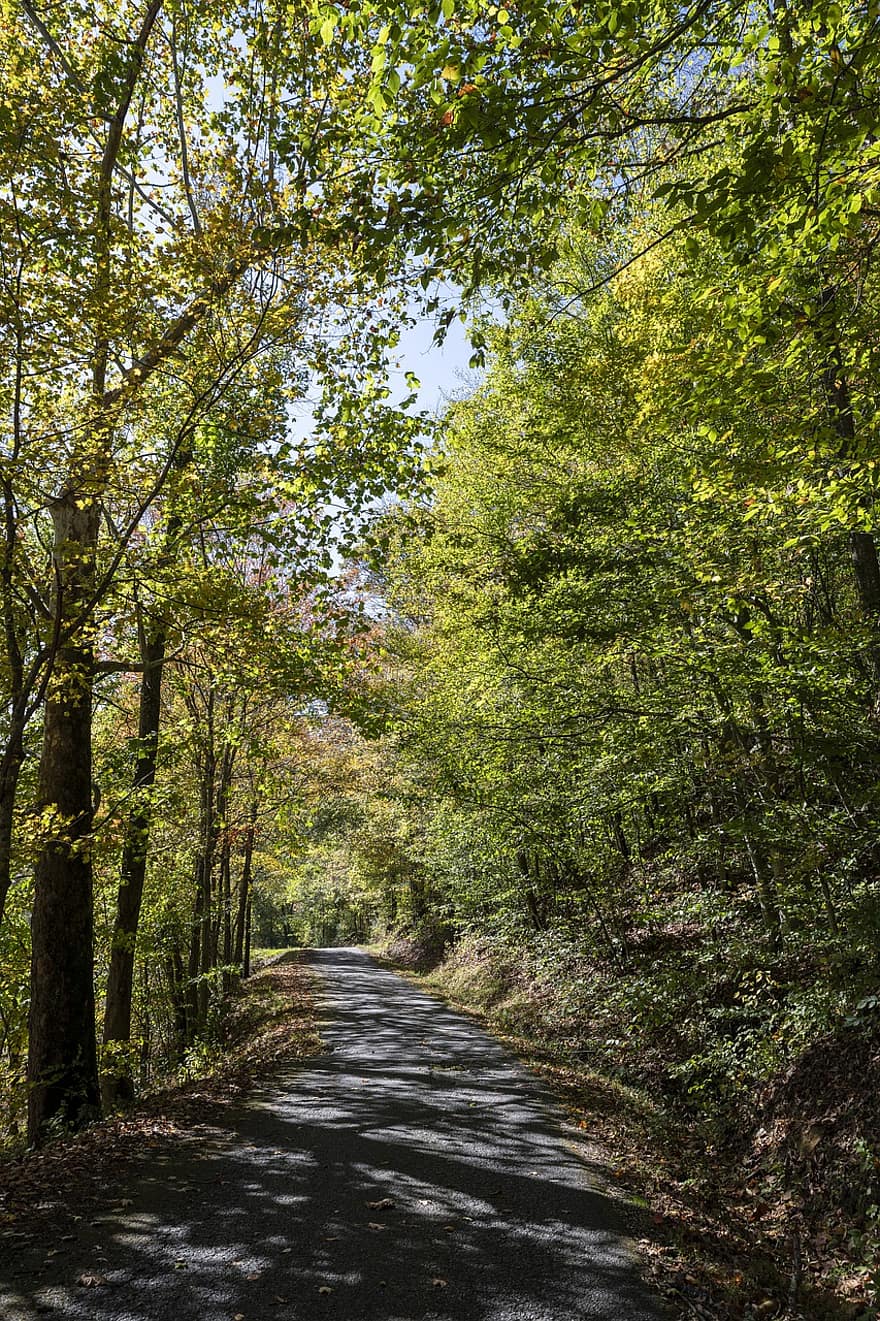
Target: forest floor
<point>404,1167</point>
<point>271,1027</point>
<point>732,1237</point>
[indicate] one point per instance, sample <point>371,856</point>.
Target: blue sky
<point>443,371</point>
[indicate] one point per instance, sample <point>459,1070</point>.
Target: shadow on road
<point>413,1173</point>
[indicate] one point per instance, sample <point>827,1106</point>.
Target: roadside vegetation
<point>267,1029</point>
<point>574,691</point>
<point>628,773</point>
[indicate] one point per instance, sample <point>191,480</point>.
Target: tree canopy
<point>587,669</point>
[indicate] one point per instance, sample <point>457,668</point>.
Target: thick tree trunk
<point>116,1082</point>
<point>62,1060</point>
<point>866,568</point>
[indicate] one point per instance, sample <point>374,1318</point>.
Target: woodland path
<point>414,1172</point>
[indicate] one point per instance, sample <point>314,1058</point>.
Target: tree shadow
<point>412,1172</point>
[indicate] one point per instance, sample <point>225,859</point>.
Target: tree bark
<point>191,989</point>
<point>116,1083</point>
<point>204,866</point>
<point>175,974</point>
<point>62,1060</point>
<point>866,568</point>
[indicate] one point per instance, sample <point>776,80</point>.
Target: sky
<point>443,371</point>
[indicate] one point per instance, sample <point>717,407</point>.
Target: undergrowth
<point>268,1026</point>
<point>739,1101</point>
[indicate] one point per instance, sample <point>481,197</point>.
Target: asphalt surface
<point>414,1172</point>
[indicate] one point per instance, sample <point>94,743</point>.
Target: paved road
<point>412,1173</point>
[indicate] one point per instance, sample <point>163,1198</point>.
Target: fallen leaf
<point>381,1205</point>
<point>254,1275</point>
<point>91,1280</point>
<point>372,1224</point>
<point>239,1316</point>
<point>439,1283</point>
<point>324,1288</point>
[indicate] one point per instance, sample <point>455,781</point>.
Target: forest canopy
<point>584,671</point>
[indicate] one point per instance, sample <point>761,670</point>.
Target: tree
<point>169,227</point>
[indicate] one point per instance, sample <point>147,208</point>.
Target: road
<point>414,1172</point>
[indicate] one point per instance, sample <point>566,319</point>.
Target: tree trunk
<point>62,1059</point>
<point>116,1083</point>
<point>203,995</point>
<point>244,886</point>
<point>246,966</point>
<point>13,755</point>
<point>13,760</point>
<point>191,998</point>
<point>176,976</point>
<point>226,900</point>
<point>866,567</point>
<point>768,898</point>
